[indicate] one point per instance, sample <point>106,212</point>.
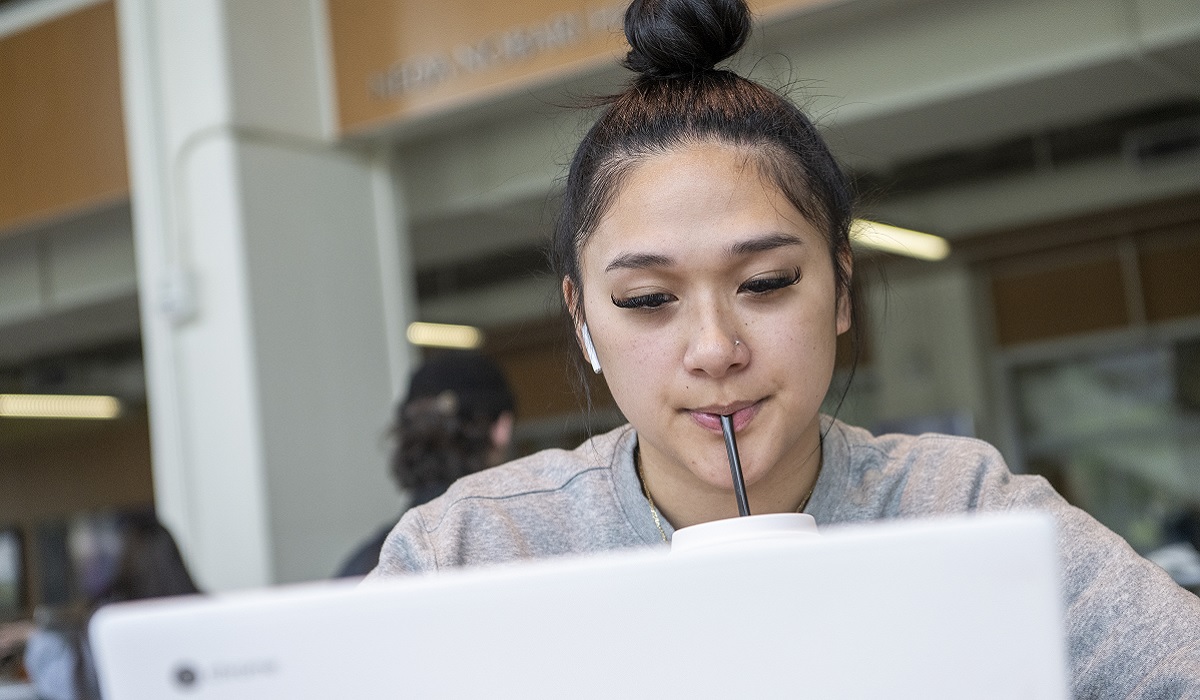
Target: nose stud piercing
<point>736,342</point>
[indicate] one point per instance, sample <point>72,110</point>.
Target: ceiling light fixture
<point>59,406</point>
<point>444,335</point>
<point>900,241</point>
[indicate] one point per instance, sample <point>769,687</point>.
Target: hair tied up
<point>677,38</point>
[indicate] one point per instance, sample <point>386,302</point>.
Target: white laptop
<point>955,608</point>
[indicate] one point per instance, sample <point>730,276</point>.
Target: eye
<point>771,281</point>
<point>643,301</point>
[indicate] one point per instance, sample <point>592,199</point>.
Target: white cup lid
<point>743,531</point>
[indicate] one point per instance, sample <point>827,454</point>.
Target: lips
<point>709,417</point>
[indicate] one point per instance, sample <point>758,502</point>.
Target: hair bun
<point>674,38</point>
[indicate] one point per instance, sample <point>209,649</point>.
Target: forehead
<point>694,197</point>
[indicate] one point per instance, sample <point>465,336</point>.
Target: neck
<point>684,500</point>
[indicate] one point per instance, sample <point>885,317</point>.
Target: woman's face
<point>707,293</point>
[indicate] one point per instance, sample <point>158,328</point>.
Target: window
<point>1118,433</point>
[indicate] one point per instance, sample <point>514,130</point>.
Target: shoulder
<point>927,474</point>
<point>869,456</point>
<point>542,474</point>
<point>551,502</point>
<point>873,450</point>
<point>1130,629</point>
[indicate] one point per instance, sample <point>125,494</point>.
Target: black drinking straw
<point>735,465</point>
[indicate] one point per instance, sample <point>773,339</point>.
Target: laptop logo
<point>187,676</point>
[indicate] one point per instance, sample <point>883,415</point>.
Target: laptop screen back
<point>964,607</point>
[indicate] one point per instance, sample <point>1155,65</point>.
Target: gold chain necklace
<point>637,467</point>
<point>807,496</point>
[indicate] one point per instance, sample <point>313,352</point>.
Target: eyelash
<point>765,285</point>
<point>759,286</point>
<point>642,301</point>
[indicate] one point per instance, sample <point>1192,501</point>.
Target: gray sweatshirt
<point>1132,632</point>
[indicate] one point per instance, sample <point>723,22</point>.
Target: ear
<point>500,434</point>
<point>845,261</point>
<point>571,299</point>
<point>501,431</point>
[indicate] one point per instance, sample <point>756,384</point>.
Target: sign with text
<point>397,60</point>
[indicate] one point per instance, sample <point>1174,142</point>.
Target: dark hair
<point>443,428</point>
<point>150,564</point>
<point>680,97</point>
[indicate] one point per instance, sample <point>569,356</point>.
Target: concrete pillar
<point>268,273</point>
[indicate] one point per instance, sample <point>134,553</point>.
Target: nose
<point>714,345</point>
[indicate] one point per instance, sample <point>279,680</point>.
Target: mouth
<point>709,417</point>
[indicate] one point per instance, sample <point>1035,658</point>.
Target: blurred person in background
<point>13,636</point>
<point>128,557</point>
<point>1179,553</point>
<point>456,420</point>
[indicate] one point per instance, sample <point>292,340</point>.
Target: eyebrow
<point>641,261</point>
<point>762,244</point>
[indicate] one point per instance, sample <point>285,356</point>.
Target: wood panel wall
<point>62,148</point>
<point>1077,294</point>
<point>1100,272</point>
<point>1170,273</point>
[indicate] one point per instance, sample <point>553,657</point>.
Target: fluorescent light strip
<point>901,241</point>
<point>444,335</point>
<point>58,406</point>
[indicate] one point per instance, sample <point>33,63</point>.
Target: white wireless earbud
<point>590,348</point>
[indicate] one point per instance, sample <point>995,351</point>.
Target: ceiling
<point>914,96</point>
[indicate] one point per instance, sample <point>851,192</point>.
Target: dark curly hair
<point>443,429</point>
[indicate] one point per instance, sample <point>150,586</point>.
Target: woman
<point>133,557</point>
<point>706,265</point>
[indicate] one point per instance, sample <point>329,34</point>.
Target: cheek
<point>802,346</point>
<point>642,358</point>
<point>804,329</point>
<point>639,374</point>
